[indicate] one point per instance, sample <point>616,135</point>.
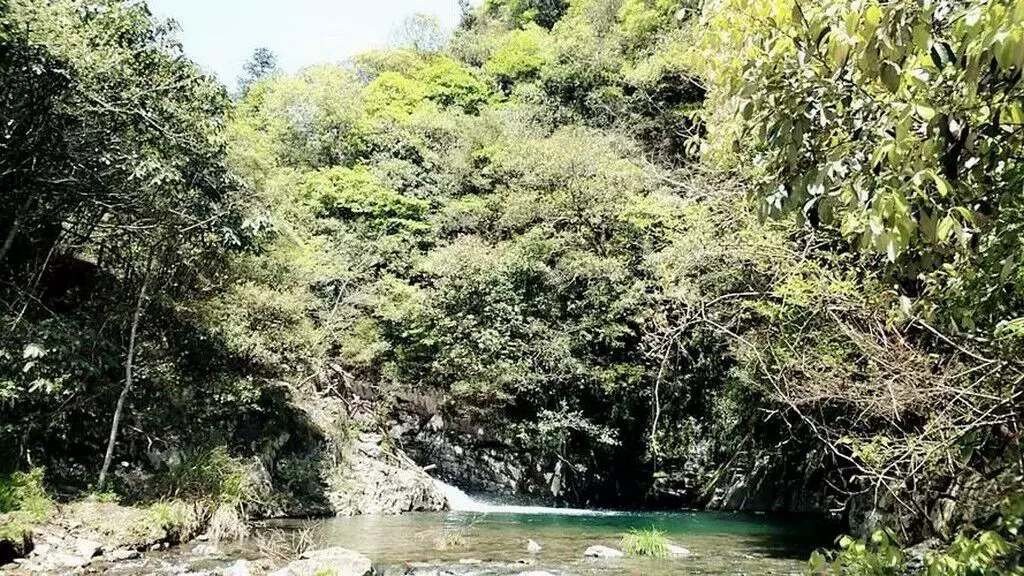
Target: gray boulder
<point>677,551</point>
<point>338,561</point>
<point>602,552</point>
<point>88,548</point>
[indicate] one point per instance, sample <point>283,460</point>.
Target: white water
<point>459,501</point>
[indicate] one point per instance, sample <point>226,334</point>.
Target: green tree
<point>115,160</point>
<point>262,63</point>
<point>896,126</point>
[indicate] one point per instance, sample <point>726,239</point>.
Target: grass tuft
<point>211,474</point>
<point>227,523</point>
<point>171,521</point>
<point>284,546</point>
<point>645,542</point>
<point>449,541</point>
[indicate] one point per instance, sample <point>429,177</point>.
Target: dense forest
<point>644,242</point>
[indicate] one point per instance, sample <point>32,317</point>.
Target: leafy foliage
<point>879,556</point>
<point>894,125</point>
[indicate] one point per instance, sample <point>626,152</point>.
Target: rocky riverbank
<point>206,558</point>
<point>85,534</point>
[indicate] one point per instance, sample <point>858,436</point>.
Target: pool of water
<point>495,542</point>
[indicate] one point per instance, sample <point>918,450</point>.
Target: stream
<point>480,538</point>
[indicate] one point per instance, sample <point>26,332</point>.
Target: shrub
<point>520,54</point>
<point>24,491</point>
<point>880,555</point>
<point>645,542</point>
<point>173,521</point>
<point>23,504</point>
<point>212,475</point>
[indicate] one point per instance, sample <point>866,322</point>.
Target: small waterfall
<point>459,501</point>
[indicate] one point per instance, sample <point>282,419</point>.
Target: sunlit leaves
<point>519,54</point>
<point>895,124</point>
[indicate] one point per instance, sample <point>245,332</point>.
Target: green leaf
<point>941,184</point>
<point>872,17</point>
<point>1009,264</point>
<point>891,76</point>
<point>747,110</point>
<point>925,112</point>
<point>880,153</point>
<point>944,228</point>
<point>1014,112</point>
<point>939,54</point>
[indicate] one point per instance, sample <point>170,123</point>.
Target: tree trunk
<point>116,422</point>
<point>15,227</point>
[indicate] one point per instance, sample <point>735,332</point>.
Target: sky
<point>220,35</point>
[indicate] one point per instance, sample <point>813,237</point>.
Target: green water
<point>495,543</point>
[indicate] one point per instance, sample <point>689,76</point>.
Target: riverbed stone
<point>88,548</point>
<point>239,568</point>
<point>62,560</point>
<point>431,571</point>
<point>677,551</point>
<point>339,560</point>
<point>205,550</point>
<point>122,554</point>
<point>602,552</point>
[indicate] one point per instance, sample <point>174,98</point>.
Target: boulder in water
<point>338,561</point>
<point>602,552</point>
<point>676,551</point>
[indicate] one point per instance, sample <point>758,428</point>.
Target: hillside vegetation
<point>645,241</point>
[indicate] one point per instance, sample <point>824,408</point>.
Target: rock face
<point>602,552</point>
<point>772,481</point>
<point>319,471</point>
<point>470,457</point>
<point>336,561</point>
<point>371,482</point>
<point>945,503</point>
